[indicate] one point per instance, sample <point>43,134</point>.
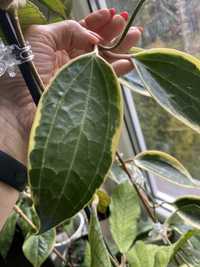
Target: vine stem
<point>26,219</point>
<point>143,197</point>
<point>16,23</point>
<point>132,19</point>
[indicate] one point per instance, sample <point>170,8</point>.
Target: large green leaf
<point>7,234</point>
<point>99,253</point>
<point>56,6</point>
<point>30,15</point>
<point>125,213</point>
<point>37,248</point>
<point>189,209</point>
<point>172,78</point>
<point>149,255</point>
<point>74,138</point>
<point>165,166</point>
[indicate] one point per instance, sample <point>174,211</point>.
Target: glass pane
<point>175,24</point>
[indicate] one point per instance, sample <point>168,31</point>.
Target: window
<point>174,24</point>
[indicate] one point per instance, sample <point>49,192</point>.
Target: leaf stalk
<point>123,35</point>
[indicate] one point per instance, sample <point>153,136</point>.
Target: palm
<point>53,46</point>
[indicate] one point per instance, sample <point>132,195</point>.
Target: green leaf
<point>172,78</point>
<point>189,209</point>
<point>189,247</point>
<point>125,213</point>
<point>164,166</point>
<point>87,256</point>
<point>74,138</point>
<point>149,255</point>
<point>37,248</point>
<point>68,7</point>
<point>99,253</point>
<point>28,209</point>
<point>134,83</point>
<point>7,234</point>
<point>30,15</point>
<point>56,6</point>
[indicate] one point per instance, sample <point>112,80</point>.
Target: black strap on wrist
<point>12,172</point>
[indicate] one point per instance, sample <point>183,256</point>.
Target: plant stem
<point>25,218</point>
<point>12,39</point>
<point>16,23</point>
<point>143,197</point>
<point>132,19</point>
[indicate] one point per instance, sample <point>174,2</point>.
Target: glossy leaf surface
<point>74,138</point>
<point>165,166</point>
<point>37,248</point>
<point>56,6</point>
<point>99,254</point>
<point>149,255</point>
<point>172,78</point>
<point>7,234</point>
<point>125,213</point>
<point>189,209</point>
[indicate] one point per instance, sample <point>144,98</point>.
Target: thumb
<point>69,35</point>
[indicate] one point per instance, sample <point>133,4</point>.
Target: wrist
<point>13,139</point>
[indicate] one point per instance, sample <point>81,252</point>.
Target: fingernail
<point>112,11</point>
<point>125,15</point>
<point>141,29</point>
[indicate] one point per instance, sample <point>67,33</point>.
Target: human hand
<point>53,46</point>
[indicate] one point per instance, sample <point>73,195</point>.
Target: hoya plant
<point>75,170</point>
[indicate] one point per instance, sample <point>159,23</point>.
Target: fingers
<point>68,35</point>
<point>109,25</point>
<point>122,66</point>
<point>105,23</point>
<point>96,20</point>
<point>131,39</point>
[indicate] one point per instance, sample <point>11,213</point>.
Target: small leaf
<point>30,15</point>
<point>172,78</point>
<point>134,83</point>
<point>99,253</point>
<point>125,213</point>
<point>37,248</point>
<point>87,256</point>
<point>74,138</point>
<point>149,255</point>
<point>56,6</point>
<point>104,201</point>
<point>29,211</point>
<point>189,209</point>
<point>189,248</point>
<point>7,234</point>
<point>165,166</point>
